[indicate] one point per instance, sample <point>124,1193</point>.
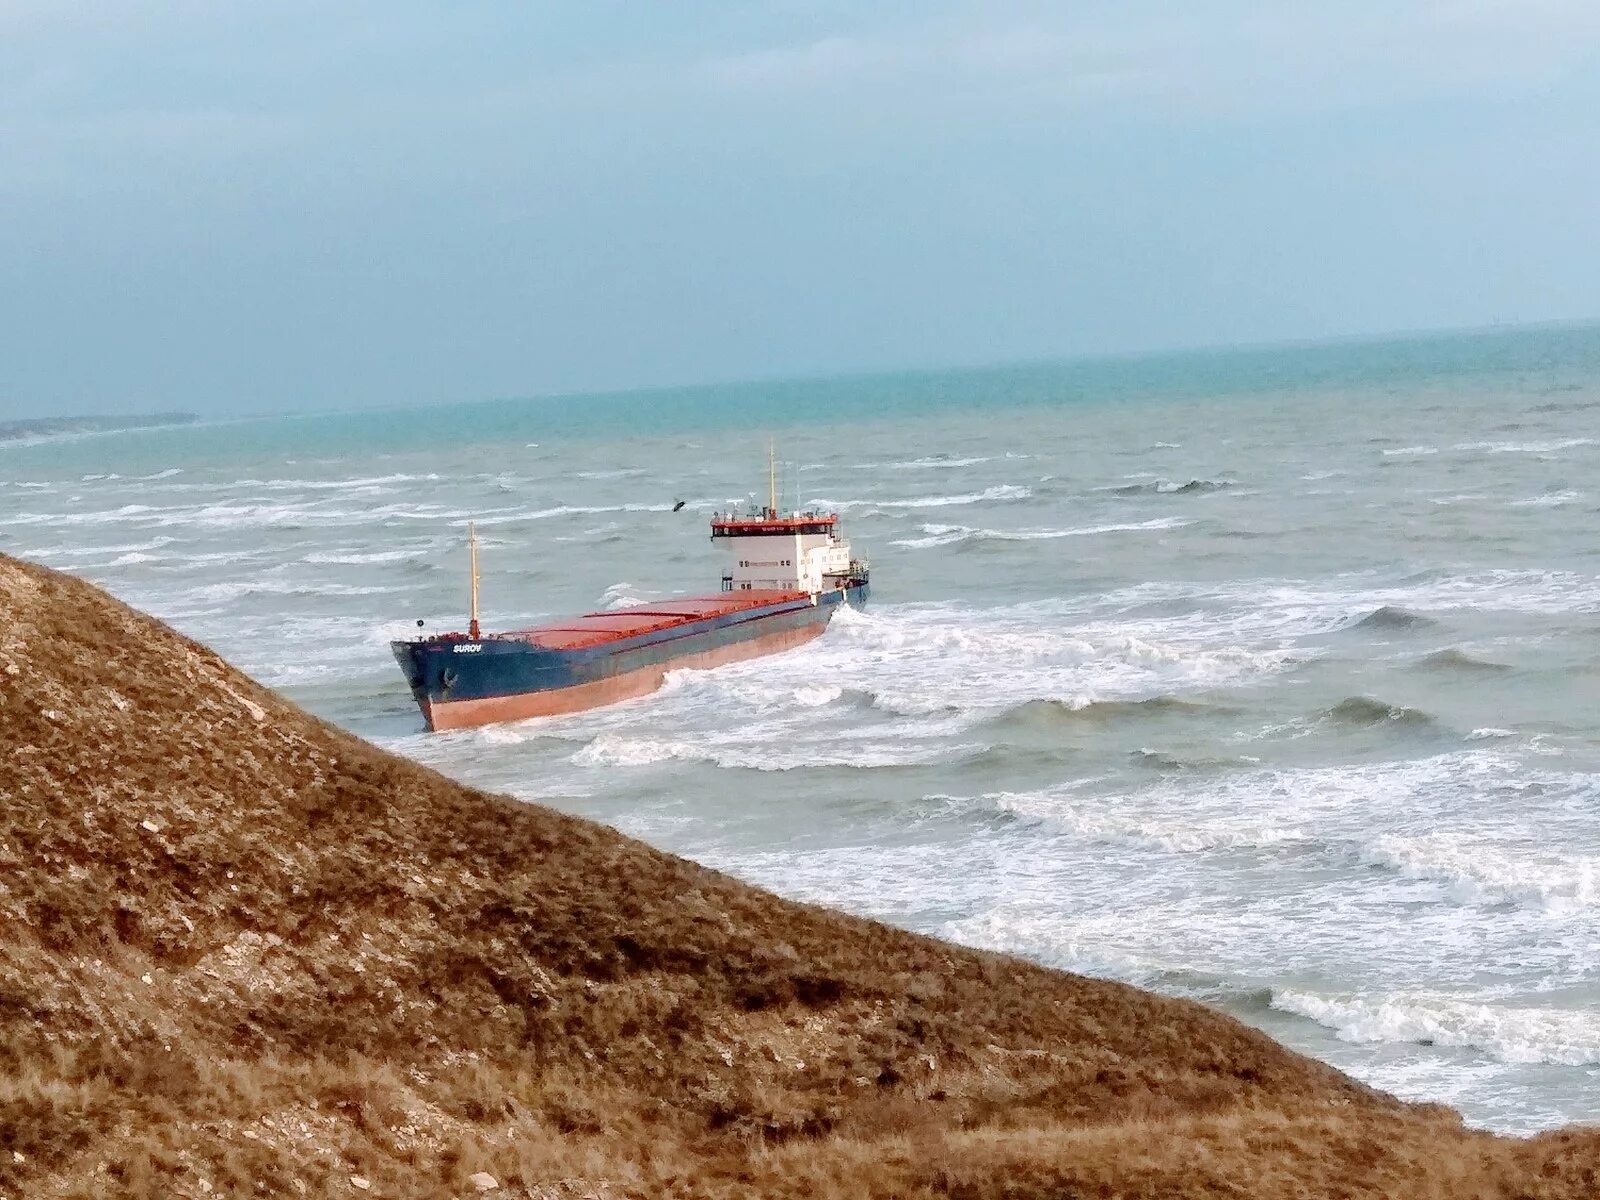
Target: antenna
<point>472,555</point>
<point>772,477</point>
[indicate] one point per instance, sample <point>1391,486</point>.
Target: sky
<point>232,207</point>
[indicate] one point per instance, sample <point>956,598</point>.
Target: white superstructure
<point>795,552</point>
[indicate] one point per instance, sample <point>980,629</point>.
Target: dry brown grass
<point>246,954</point>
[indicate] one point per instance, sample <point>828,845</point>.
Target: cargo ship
<point>786,575</point>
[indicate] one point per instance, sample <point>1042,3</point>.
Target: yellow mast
<point>772,477</point>
<point>472,555</point>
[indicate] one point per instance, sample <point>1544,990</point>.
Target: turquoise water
<point>1263,677</point>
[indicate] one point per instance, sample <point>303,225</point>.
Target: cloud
<point>1224,59</point>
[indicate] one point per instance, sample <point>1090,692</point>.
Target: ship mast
<point>472,557</point>
<point>772,477</point>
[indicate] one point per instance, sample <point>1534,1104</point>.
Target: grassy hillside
<point>247,954</point>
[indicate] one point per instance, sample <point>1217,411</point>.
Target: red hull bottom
<point>464,714</point>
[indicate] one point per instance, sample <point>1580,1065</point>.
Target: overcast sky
<point>242,207</point>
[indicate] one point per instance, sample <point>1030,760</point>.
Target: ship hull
<point>460,683</point>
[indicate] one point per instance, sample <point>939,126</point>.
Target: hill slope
<point>248,954</point>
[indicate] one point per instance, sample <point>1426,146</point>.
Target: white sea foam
<point>1475,871</point>
<point>998,492</point>
<point>619,750</point>
<point>317,485</point>
<point>1307,608</point>
<point>242,514</point>
<point>361,558</point>
<point>1411,452</point>
<point>1513,1034</point>
<point>621,595</point>
<point>1549,447</point>
<point>1549,499</point>
<point>947,535</point>
<point>1094,820</point>
<point>931,463</point>
<point>509,516</point>
<point>930,660</point>
<point>125,513</point>
<point>235,589</point>
<point>817,695</point>
<point>1004,491</point>
<point>121,548</point>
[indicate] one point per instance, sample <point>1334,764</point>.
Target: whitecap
<point>509,516</point>
<point>931,463</point>
<point>1526,447</point>
<point>1178,833</point>
<point>361,558</point>
<point>1510,1034</point>
<point>317,485</point>
<point>620,596</point>
<point>1548,499</point>
<point>1475,871</point>
<point>618,750</point>
<point>1005,491</point>
<point>945,535</point>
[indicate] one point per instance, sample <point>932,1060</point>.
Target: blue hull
<point>459,682</point>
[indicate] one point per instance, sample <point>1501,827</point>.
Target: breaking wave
<point>935,462</point>
<point>950,535</point>
<point>1091,711</point>
<point>507,517</point>
<point>320,485</point>
<point>1004,491</point>
<point>1092,821</point>
<point>1392,616</point>
<point>1367,711</point>
<point>1479,873</point>
<point>1168,487</point>
<point>238,589</point>
<point>1510,1034</point>
<point>1458,660</point>
<point>620,596</point>
<point>361,558</point>
<point>1549,499</point>
<point>1549,447</point>
<point>618,750</point>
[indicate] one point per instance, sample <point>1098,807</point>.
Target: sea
<point>1268,678</point>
